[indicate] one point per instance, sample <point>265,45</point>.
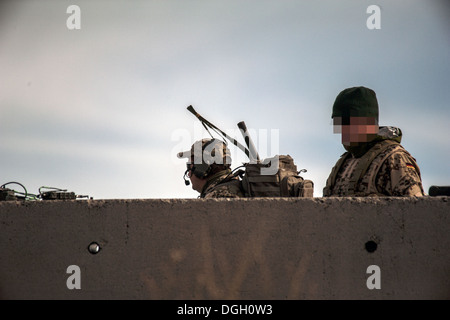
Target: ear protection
<point>201,170</point>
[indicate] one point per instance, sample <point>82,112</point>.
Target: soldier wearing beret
<point>375,163</point>
<point>208,168</point>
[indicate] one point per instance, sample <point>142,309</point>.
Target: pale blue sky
<point>102,110</point>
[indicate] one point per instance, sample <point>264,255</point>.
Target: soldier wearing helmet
<point>208,168</point>
<point>375,163</point>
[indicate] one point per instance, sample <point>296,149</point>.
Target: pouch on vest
<point>262,179</point>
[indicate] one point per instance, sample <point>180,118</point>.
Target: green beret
<point>356,102</point>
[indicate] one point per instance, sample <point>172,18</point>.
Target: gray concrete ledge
<point>226,249</point>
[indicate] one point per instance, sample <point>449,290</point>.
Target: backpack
<point>260,180</point>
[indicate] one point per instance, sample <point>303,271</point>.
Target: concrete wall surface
<point>277,248</point>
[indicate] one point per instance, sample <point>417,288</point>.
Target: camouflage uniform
<point>221,185</point>
<point>393,172</point>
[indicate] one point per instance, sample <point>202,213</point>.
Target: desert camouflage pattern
<point>208,150</point>
<point>394,172</point>
<point>221,185</point>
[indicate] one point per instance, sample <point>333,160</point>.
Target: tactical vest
<point>361,169</point>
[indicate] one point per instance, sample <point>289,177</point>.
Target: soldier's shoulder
<point>229,189</point>
<point>399,159</point>
<point>398,153</point>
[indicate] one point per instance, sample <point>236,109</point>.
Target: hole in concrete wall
<point>94,248</point>
<point>371,246</point>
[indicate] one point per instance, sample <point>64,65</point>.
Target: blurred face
<point>197,183</point>
<point>355,130</point>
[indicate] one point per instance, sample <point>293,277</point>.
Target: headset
<point>200,170</point>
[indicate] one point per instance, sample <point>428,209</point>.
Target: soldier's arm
<point>399,176</point>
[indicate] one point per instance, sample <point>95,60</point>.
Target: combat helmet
<point>204,153</point>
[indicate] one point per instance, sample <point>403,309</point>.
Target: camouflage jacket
<point>392,171</point>
<point>222,185</point>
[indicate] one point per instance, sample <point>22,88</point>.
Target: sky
<point>97,105</point>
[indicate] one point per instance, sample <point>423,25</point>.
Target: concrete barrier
<point>316,248</point>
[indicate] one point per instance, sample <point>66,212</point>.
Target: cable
<point>50,193</point>
<point>13,182</point>
<point>51,188</point>
<point>25,195</point>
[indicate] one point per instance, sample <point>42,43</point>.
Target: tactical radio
<point>7,195</point>
<point>50,194</point>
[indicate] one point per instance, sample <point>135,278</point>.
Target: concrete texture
<point>310,248</point>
